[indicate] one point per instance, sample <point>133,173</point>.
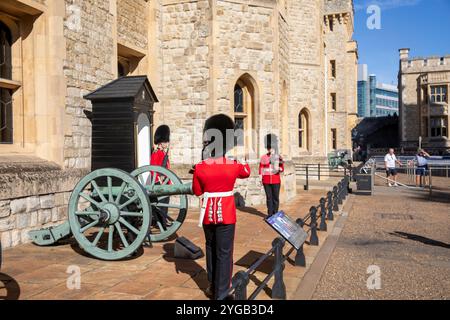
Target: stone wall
<point>338,47</point>
<point>184,91</point>
<point>90,48</point>
<point>306,75</point>
<point>411,69</point>
<point>21,215</point>
<point>246,46</point>
<point>132,22</point>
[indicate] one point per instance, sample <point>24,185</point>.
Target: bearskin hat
<point>271,141</point>
<point>162,134</point>
<point>219,123</point>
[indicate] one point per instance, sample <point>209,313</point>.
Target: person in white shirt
<point>390,161</point>
<point>422,167</point>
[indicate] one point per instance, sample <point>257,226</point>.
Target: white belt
<point>208,195</point>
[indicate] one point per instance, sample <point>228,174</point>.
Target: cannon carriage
<point>114,209</point>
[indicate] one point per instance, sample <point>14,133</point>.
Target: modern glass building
<point>375,99</point>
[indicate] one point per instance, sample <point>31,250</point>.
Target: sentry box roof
<point>123,88</point>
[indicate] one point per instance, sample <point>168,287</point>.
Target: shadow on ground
<point>421,239</point>
<point>11,287</point>
<point>193,269</point>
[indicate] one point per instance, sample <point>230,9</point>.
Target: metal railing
<point>319,171</point>
<point>326,208</point>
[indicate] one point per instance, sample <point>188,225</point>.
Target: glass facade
<point>376,99</point>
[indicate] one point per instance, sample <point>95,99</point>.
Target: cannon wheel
<point>109,214</point>
<point>176,206</point>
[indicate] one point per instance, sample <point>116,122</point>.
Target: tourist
<point>422,167</point>
<point>270,167</point>
<point>214,179</point>
<point>390,162</point>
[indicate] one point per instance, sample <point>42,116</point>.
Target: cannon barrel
<point>170,190</point>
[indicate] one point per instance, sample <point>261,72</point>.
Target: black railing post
<point>346,186</point>
<point>340,192</point>
<point>241,279</point>
<point>323,215</point>
<point>300,259</point>
<point>335,199</point>
<point>279,289</point>
<point>318,171</point>
<point>307,178</point>
<point>314,239</point>
<point>330,215</point>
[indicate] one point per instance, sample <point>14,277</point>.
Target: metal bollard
<point>279,289</point>
<point>335,199</point>
<point>314,239</point>
<point>330,215</point>
<point>241,279</point>
<point>340,192</point>
<point>307,178</point>
<point>300,259</point>
<point>323,215</point>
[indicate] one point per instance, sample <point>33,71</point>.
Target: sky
<point>421,25</point>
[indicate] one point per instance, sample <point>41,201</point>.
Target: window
<point>438,94</point>
<point>439,127</point>
<point>333,102</point>
<point>333,68</point>
<point>303,130</point>
<point>240,116</point>
<point>331,23</point>
<point>334,139</point>
<point>244,117</point>
<point>6,108</point>
<point>123,67</point>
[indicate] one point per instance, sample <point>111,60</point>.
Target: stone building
<point>282,66</point>
<point>423,91</point>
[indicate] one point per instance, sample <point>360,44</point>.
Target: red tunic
<point>267,170</point>
<point>157,159</point>
<point>219,175</point>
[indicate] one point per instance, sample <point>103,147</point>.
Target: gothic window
<point>303,130</point>
<point>240,115</point>
<point>244,117</point>
<point>6,109</point>
<point>333,102</point>
<point>334,139</point>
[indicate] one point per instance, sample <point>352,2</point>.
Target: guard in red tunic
<point>270,167</point>
<point>160,157</point>
<point>214,180</point>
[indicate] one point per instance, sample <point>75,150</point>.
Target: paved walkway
<point>404,235</point>
<point>31,272</point>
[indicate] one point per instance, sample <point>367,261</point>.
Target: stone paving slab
<point>402,233</point>
<point>41,272</point>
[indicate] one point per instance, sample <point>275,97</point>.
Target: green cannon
<point>111,212</point>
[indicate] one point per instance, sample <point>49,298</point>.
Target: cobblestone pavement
<point>404,234</point>
<point>32,272</point>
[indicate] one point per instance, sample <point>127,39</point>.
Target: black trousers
<point>219,256</point>
<point>272,197</point>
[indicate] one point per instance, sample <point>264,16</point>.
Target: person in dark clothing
<point>214,180</point>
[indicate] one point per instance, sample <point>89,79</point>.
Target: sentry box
<point>122,123</point>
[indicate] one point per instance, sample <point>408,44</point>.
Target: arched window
<point>240,116</point>
<point>303,130</point>
<point>244,117</point>
<point>6,116</point>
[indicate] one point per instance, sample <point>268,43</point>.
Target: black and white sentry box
<point>122,121</point>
